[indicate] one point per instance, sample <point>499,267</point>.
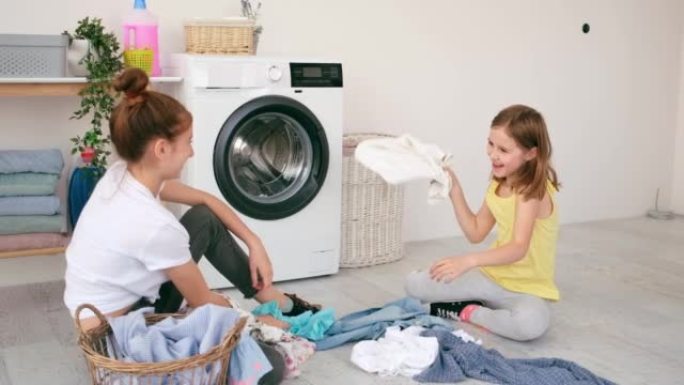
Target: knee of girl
<point>532,326</point>
<point>414,284</point>
<point>529,332</point>
<point>199,213</point>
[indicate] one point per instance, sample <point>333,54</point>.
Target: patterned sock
<point>467,312</point>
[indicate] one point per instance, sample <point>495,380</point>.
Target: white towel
<point>405,158</point>
<point>399,352</point>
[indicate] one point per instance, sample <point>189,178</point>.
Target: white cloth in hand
<point>405,158</point>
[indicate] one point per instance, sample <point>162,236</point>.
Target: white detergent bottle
<point>140,31</point>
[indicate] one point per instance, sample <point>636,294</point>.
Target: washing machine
<point>268,140</point>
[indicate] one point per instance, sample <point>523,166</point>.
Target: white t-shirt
<point>124,240</point>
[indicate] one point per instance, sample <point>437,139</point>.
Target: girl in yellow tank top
<point>513,280</point>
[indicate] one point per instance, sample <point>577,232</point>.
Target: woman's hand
<point>450,268</point>
<point>260,267</point>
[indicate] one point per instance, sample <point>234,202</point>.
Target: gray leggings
<point>517,316</point>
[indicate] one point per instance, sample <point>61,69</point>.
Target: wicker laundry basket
<point>220,37</point>
<point>372,212</point>
<point>210,368</point>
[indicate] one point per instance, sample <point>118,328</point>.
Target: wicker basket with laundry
<point>209,368</point>
<point>372,211</point>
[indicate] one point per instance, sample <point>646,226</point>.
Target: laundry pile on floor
<point>30,210</point>
<point>401,338</point>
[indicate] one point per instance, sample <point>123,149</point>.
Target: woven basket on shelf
<point>220,37</point>
<point>372,212</point>
<point>210,368</point>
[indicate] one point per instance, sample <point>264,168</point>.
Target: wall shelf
<point>65,86</point>
<point>32,252</point>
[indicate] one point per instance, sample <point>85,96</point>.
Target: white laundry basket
<point>372,212</point>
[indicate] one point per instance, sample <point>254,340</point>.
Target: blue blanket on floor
<point>47,161</point>
<point>370,324</point>
<point>458,360</point>
<point>37,205</point>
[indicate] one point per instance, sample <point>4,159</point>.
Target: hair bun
<point>132,82</point>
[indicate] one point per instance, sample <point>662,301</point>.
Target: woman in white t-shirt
<point>129,251</point>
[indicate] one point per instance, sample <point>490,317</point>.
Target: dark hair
<point>143,115</point>
<point>527,127</point>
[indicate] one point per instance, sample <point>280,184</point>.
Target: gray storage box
<point>33,56</point>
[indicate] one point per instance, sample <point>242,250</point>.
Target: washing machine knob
<point>275,73</point>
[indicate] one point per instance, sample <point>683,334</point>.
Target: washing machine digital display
<point>271,157</point>
<point>316,74</point>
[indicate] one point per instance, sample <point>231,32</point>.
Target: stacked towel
<point>30,210</point>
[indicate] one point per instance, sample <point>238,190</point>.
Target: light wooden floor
<point>621,314</point>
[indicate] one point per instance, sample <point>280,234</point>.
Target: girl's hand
<point>260,267</point>
<point>448,269</point>
<point>454,186</point>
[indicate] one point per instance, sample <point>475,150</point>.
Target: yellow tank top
<point>534,273</point>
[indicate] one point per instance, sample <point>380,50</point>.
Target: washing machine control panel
<point>316,74</point>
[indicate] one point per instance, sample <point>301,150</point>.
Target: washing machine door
<point>271,157</point>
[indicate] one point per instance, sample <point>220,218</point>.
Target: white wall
<point>677,201</point>
<point>441,70</point>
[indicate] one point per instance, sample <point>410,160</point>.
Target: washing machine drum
<point>271,157</point>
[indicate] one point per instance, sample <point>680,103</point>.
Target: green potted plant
<point>103,62</point>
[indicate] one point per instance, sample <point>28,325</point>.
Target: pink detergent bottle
<point>140,32</point>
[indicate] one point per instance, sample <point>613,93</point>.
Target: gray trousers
<point>517,316</point>
<point>210,238</point>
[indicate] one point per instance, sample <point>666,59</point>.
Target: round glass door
<point>271,157</point>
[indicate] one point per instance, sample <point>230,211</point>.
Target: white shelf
<point>71,80</point>
<point>66,86</point>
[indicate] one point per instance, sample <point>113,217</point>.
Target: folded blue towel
<point>23,224</point>
<point>45,205</point>
<point>28,184</point>
<point>48,161</point>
